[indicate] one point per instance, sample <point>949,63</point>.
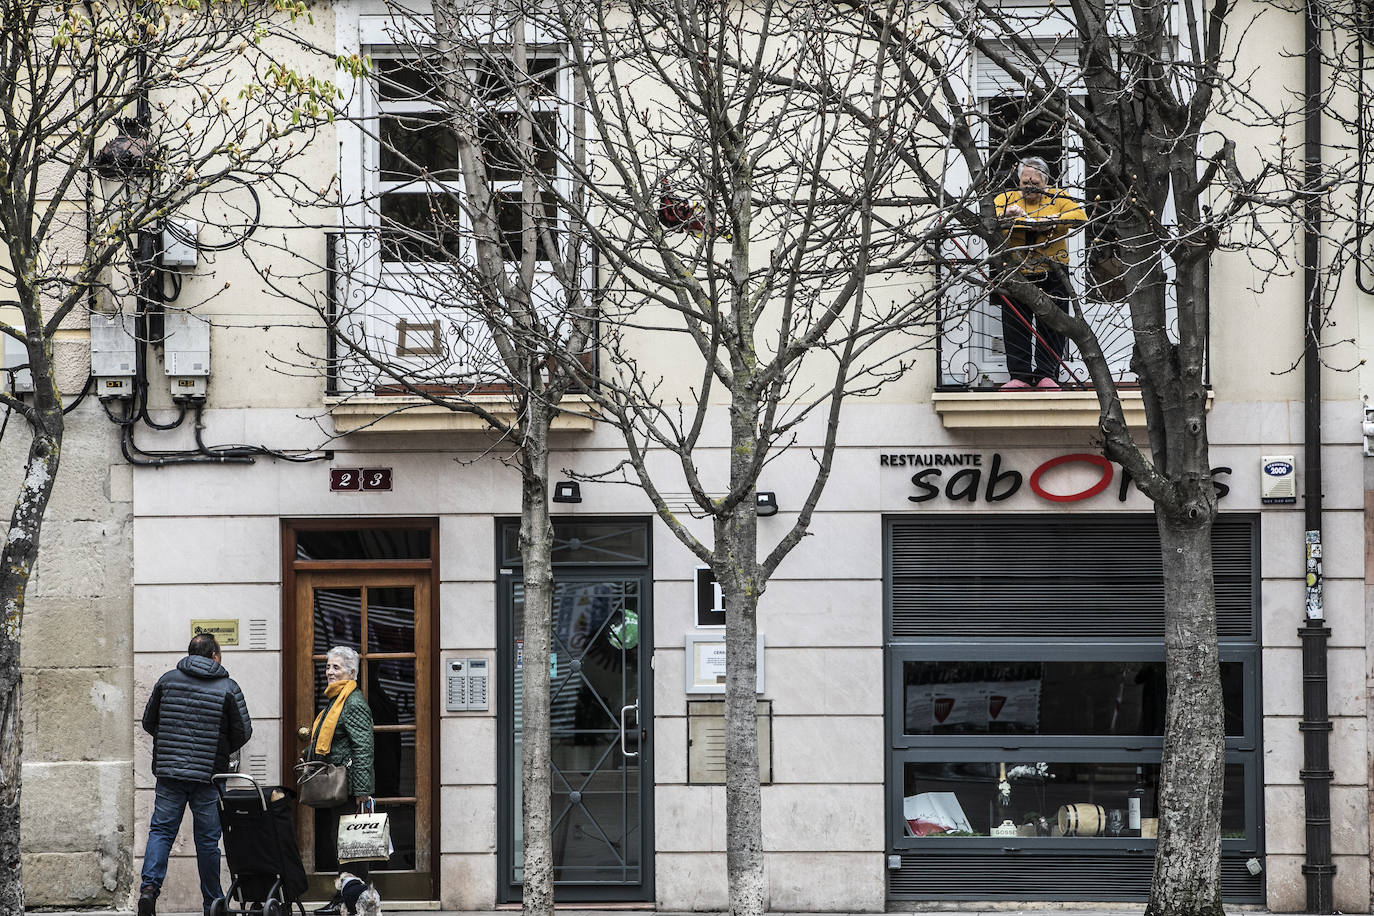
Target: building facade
<point>961,686</point>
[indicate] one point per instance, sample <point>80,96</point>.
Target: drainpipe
<point>1314,634</point>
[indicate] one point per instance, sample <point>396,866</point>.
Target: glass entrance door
<point>599,732</point>
<point>374,613</point>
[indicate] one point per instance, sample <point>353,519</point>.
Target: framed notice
<point>705,664</point>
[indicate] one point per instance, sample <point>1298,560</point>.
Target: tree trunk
<point>738,572</point>
<point>1187,879</point>
<point>16,566</point>
<point>536,552</point>
<point>743,803</point>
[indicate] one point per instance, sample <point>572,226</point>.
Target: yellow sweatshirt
<point>1038,244</point>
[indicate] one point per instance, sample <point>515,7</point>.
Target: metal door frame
<point>506,890</point>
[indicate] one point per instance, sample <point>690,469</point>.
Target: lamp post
<point>122,164</point>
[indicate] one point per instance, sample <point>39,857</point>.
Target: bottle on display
<point>1135,804</point>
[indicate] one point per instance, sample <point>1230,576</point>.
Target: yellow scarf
<point>328,719</point>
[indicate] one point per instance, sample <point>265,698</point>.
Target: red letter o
<point>1095,489</point>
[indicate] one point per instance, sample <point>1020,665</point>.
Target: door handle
<point>303,733</point>
<point>624,709</point>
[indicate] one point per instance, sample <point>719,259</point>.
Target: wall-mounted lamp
<point>767,503</point>
<point>130,154</point>
<point>567,491</point>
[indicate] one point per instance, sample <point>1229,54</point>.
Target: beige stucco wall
<point>131,555</point>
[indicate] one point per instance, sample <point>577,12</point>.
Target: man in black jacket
<point>197,717</point>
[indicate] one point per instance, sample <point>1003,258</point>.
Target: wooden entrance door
<point>384,616</point>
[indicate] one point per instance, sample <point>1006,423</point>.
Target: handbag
<point>364,837</point>
<point>322,784</point>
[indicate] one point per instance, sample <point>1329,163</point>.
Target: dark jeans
<point>1032,356</point>
<point>169,804</point>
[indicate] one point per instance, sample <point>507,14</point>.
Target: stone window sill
<point>1032,409</point>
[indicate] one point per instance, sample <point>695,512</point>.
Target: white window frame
<point>972,352</point>
<point>378,291</point>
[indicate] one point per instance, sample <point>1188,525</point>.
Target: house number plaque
<point>346,479</point>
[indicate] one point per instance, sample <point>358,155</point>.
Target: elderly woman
<point>342,734</point>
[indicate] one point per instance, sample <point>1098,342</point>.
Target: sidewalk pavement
<point>972,909</point>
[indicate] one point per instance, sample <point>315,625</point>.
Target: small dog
<point>360,898</point>
<point>369,903</point>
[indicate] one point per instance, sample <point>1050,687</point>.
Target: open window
<point>1013,125</point>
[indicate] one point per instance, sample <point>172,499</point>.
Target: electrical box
<point>18,381</point>
<point>1279,480</point>
<point>466,684</point>
<point>186,352</point>
<point>178,243</point>
<point>114,354</point>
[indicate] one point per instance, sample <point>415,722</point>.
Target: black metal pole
<point>1315,635</point>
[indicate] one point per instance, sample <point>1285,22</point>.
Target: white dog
<point>367,902</point>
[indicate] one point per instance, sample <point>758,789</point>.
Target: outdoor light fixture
<point>129,154</point>
<point>567,491</point>
<point>766,503</point>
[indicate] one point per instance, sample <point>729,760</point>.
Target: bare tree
<point>752,217</point>
<point>741,215</point>
<point>1135,109</point>
<point>460,283</point>
<point>162,101</point>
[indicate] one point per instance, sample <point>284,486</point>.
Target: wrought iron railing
<point>393,326</point>
<point>971,345</point>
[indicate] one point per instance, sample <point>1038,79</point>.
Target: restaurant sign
<point>963,476</point>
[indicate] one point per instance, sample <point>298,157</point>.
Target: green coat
<point>352,744</point>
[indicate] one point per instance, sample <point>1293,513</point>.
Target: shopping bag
<point>364,837</point>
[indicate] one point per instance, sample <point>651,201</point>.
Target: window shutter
<point>1053,576</point>
<point>1059,56</point>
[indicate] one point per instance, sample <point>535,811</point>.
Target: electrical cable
<point>85,390</point>
<point>234,240</point>
<point>161,459</point>
<point>247,450</point>
<point>175,277</point>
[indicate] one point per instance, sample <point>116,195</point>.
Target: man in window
<point>1038,220</point>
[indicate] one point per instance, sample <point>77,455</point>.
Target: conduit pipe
<point>1314,634</point>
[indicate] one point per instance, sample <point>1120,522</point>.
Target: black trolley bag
<point>260,845</point>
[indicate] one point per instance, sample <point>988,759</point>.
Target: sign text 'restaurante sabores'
<point>963,476</point>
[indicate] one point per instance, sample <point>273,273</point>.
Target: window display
<point>1045,799</point>
<point>1026,694</point>
<point>957,697</point>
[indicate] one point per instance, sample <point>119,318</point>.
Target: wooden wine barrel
<point>1082,819</point>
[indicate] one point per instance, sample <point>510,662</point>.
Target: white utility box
<point>16,354</point>
<point>186,352</point>
<point>114,354</point>
<point>178,249</point>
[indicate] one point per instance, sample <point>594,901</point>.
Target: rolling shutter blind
<point>1073,876</point>
<point>1058,55</point>
<point>1053,575</point>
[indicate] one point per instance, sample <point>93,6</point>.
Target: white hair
<point>1033,162</point>
<point>348,657</point>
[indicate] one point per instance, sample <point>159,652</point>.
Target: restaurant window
<point>1025,705</point>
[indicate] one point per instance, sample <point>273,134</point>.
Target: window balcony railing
<point>971,351</point>
<point>973,345</point>
<point>398,331</point>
